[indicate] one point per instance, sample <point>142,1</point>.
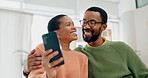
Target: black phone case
<point>50,41</point>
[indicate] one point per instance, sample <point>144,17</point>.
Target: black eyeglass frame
<point>91,23</point>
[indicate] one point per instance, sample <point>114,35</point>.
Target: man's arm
<point>33,62</point>
<point>134,63</point>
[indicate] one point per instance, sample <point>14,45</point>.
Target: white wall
<point>39,27</point>
<point>67,4</point>
<point>75,5</point>
<point>110,7</point>
<point>126,15</point>
<point>141,26</point>
<point>127,29</point>
<point>14,36</point>
<point>134,27</point>
<point>126,5</point>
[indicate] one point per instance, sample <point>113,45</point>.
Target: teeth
<point>87,33</point>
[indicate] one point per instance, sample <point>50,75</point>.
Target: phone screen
<point>50,41</point>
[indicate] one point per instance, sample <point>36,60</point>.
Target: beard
<point>94,36</point>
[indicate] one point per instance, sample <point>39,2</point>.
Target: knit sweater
<point>75,65</point>
<point>113,60</point>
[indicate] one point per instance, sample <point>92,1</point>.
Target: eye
<point>92,22</point>
<point>69,24</point>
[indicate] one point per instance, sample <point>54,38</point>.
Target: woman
<point>75,63</point>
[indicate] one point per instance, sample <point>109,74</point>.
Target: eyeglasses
<point>91,23</point>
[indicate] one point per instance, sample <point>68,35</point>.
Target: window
<point>141,3</point>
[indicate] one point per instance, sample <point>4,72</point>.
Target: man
<point>107,59</point>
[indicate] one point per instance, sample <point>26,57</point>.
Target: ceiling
<point>116,1</point>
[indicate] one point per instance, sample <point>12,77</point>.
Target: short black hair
<point>102,13</point>
<point>53,24</point>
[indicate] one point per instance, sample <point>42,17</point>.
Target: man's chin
<point>87,40</point>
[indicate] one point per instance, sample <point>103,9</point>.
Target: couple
<point>106,59</point>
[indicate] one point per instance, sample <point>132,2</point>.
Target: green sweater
<point>114,60</point>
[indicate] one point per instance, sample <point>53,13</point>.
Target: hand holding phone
<point>50,41</point>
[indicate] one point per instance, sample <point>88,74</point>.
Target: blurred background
<point>22,23</point>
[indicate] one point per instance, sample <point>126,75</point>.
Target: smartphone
<point>50,41</point>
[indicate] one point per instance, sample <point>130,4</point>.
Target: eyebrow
<point>90,20</point>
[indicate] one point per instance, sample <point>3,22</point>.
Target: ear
<point>104,26</point>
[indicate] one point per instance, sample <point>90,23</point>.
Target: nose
<point>73,28</point>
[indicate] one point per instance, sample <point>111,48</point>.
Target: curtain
<point>15,38</point>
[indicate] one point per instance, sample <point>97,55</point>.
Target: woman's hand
<point>50,67</point>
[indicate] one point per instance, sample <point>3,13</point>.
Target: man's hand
<point>33,62</point>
